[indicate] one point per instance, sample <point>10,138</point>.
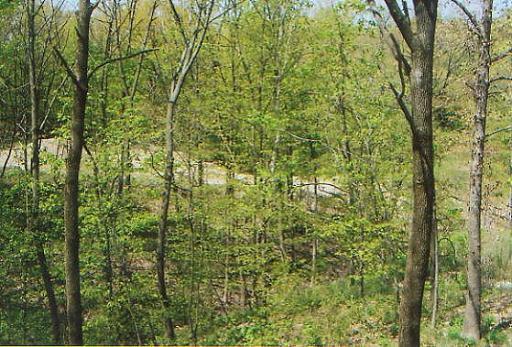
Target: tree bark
<point>71,188</point>
<point>472,315</point>
<point>435,270</point>
<point>163,224</point>
<point>423,192</point>
<point>421,44</point>
<point>510,185</point>
<point>33,215</point>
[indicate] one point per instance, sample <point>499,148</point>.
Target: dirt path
<point>213,174</point>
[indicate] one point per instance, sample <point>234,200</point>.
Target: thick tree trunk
<point>423,191</point>
<point>33,216</point>
<point>421,42</point>
<point>71,189</point>
<point>472,316</point>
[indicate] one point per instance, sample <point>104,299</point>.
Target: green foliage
<point>291,202</point>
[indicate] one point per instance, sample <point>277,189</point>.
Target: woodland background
<point>291,194</point>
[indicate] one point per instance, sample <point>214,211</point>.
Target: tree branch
<point>500,78</point>
<point>50,105</point>
<point>501,56</point>
<point>108,61</point>
<point>508,128</point>
<point>390,39</point>
<point>401,22</point>
<point>178,21</point>
<point>403,106</point>
<point>470,16</point>
<point>222,13</point>
<point>66,66</point>
<point>300,185</point>
<point>399,55</point>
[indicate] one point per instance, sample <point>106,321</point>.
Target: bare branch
<point>406,11</point>
<point>402,23</point>
<point>403,106</point>
<point>214,18</point>
<point>299,185</point>
<point>399,56</point>
<point>141,58</point>
<point>108,61</point>
<point>501,78</point>
<point>501,56</point>
<point>179,22</point>
<point>50,105</point>
<point>203,34</point>
<point>94,6</point>
<point>153,166</point>
<point>390,39</point>
<point>305,139</point>
<point>508,128</point>
<point>66,66</point>
<point>470,16</point>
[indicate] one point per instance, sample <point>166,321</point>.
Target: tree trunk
<point>434,252</point>
<point>314,247</point>
<point>163,225</point>
<point>510,185</point>
<point>52,301</point>
<point>33,215</point>
<point>423,191</point>
<point>9,152</point>
<point>472,315</point>
<point>71,189</point>
<point>421,42</point>
<point>189,54</point>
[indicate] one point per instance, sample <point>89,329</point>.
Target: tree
<point>192,42</point>
<point>35,118</point>
<point>482,30</point>
<point>420,41</point>
<point>80,79</point>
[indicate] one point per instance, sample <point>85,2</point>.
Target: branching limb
<point>405,8</point>
<point>403,106</point>
<point>50,105</point>
<point>500,78</point>
<point>502,55</point>
<point>399,56</point>
<point>179,22</point>
<point>474,22</point>
<point>497,131</point>
<point>222,13</point>
<point>390,39</point>
<point>318,184</point>
<point>108,61</point>
<point>66,66</point>
<point>154,168</point>
<point>402,22</point>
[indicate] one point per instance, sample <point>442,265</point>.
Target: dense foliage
<point>291,204</point>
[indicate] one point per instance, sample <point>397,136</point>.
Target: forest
<point>256,172</point>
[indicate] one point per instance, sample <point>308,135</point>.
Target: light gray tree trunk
<point>472,315</point>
